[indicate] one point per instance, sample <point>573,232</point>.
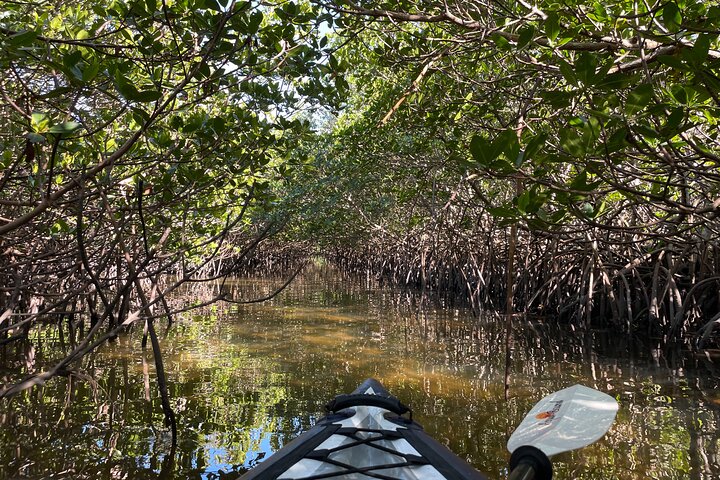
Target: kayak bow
<point>365,435</point>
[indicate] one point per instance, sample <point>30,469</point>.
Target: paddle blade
<point>565,420</point>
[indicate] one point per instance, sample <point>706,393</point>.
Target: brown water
<point>246,380</point>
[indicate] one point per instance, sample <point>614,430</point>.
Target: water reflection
<point>247,380</point>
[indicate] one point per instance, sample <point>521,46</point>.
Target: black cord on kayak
<point>353,400</point>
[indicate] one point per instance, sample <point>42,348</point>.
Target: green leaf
<point>147,95</point>
<point>600,11</point>
<point>557,98</point>
<point>527,33</point>
<point>646,130</point>
<point>507,143</point>
<point>572,142</point>
<point>679,93</point>
<point>601,114</point>
<point>126,88</point>
<point>90,71</point>
<point>22,39</point>
<point>523,201</point>
<point>254,22</point>
<point>565,39</point>
<point>587,209</point>
<point>213,5</point>
<point>291,8</point>
<point>503,212</point>
<point>502,166</point>
<point>39,121</point>
<point>672,17</point>
<point>585,66</point>
<point>552,26</point>
<point>203,71</point>
<point>35,138</point>
<point>482,150</point>
<point>617,141</point>
<point>591,129</point>
<point>60,226</point>
<point>56,92</point>
<point>672,61</point>
<point>537,199</point>
<point>616,81</point>
<point>602,71</point>
<point>699,51</point>
<point>558,216</point>
<point>534,145</point>
<point>673,122</point>
<point>567,72</point>
<point>709,80</point>
<point>66,127</point>
<point>580,183</point>
<point>600,209</point>
<point>72,62</point>
<point>638,98</point>
<point>501,42</point>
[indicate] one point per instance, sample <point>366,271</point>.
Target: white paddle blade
<point>565,420</point>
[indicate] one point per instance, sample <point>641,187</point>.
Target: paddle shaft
<point>530,463</point>
<point>523,472</point>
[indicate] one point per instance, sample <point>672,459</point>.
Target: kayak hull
<point>365,436</point>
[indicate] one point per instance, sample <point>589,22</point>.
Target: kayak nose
<point>370,393</point>
<point>372,387</point>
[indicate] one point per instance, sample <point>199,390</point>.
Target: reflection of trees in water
<point>245,380</point>
<point>107,428</point>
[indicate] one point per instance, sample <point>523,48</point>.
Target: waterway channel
<point>245,380</point>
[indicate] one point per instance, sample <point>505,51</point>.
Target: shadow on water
<point>246,380</point>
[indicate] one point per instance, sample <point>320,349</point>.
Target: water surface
<point>245,380</point>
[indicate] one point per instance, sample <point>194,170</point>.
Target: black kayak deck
<point>365,436</point>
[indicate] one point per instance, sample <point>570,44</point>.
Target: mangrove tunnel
<point>543,165</point>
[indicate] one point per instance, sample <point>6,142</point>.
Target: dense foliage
<point>137,139</point>
<point>582,135</point>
